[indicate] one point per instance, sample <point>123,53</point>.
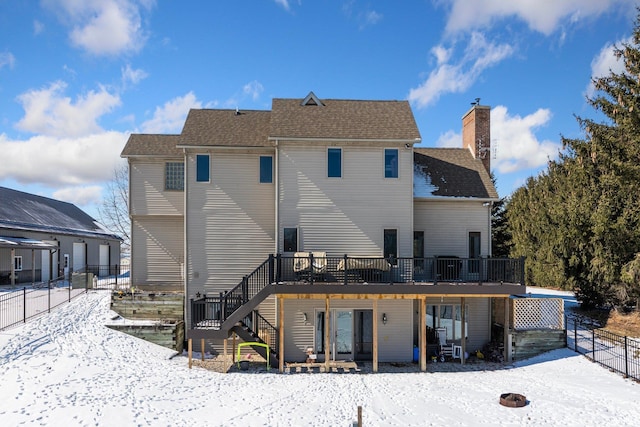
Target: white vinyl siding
<point>395,339</point>
<point>157,251</point>
<point>447,225</point>
<point>230,222</point>
<point>147,190</point>
<point>348,215</point>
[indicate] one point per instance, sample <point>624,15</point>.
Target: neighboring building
<point>43,239</point>
<point>390,240</point>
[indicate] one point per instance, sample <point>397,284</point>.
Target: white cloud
<point>133,76</point>
<point>68,161</point>
<point>253,89</point>
<point>7,59</point>
<point>369,17</point>
<point>518,147</point>
<point>449,139</point>
<point>38,27</point>
<point>103,27</point>
<point>459,76</point>
<point>283,3</point>
<point>605,63</point>
<point>171,116</point>
<point>48,112</point>
<point>543,16</point>
<point>80,195</point>
<point>441,53</point>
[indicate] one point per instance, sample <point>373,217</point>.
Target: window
<point>319,338</point>
<point>17,263</point>
<point>418,244</point>
<point>474,251</point>
<point>290,240</point>
<point>174,176</point>
<point>202,168</point>
<point>448,316</point>
<point>266,169</point>
<point>391,243</point>
<point>391,163</point>
<point>334,162</point>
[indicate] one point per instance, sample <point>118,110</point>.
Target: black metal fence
<point>105,277</point>
<point>616,352</point>
<point>19,305</point>
<point>313,268</point>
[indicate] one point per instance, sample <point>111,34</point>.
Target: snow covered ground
<point>68,369</point>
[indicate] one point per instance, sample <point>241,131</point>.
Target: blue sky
<point>78,76</point>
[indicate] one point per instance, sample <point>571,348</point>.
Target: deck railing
<point>212,311</point>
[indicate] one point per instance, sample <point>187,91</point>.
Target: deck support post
<point>422,338</point>
<point>233,348</point>
<point>507,321</point>
<point>225,347</point>
<point>281,335</point>
<point>375,335</point>
<point>463,341</point>
<point>327,341</point>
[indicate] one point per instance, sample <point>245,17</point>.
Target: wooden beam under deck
<point>383,296</point>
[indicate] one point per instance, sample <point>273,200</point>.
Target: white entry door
<point>104,261</point>
<point>79,256</point>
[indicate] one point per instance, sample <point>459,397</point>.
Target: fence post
<point>24,304</point>
<point>346,268</point>
<point>115,271</point>
<point>593,344</point>
<point>626,358</point>
<point>278,269</point>
<point>575,335</point>
<point>223,308</point>
<point>245,289</point>
<point>271,266</point>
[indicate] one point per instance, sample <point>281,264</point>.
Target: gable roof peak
<point>311,99</point>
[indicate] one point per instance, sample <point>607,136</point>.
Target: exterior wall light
<point>384,318</point>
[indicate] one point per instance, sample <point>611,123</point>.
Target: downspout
<point>185,251</point>
<point>277,201</point>
<point>490,208</point>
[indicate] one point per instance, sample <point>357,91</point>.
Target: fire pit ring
<point>513,400</point>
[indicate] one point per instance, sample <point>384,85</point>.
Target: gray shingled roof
<point>450,172</point>
<point>247,128</point>
<point>152,145</point>
<point>25,211</point>
<point>343,119</point>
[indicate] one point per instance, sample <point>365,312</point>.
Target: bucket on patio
<point>416,354</point>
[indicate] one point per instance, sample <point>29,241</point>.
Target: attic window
<point>311,99</point>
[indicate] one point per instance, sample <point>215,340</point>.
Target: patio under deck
<point>340,278</point>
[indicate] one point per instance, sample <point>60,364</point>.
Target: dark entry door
<point>363,334</point>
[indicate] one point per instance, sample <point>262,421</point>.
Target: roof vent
<point>237,113</point>
<point>311,99</point>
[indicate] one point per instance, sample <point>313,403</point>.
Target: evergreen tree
<point>500,234</point>
<point>579,222</point>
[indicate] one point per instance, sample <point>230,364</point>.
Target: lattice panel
<point>538,313</point>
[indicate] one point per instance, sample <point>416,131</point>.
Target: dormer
<point>311,99</point>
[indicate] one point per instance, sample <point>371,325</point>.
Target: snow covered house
<point>42,239</point>
<point>318,227</point>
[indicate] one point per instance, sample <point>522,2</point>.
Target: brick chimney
<point>476,133</point>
